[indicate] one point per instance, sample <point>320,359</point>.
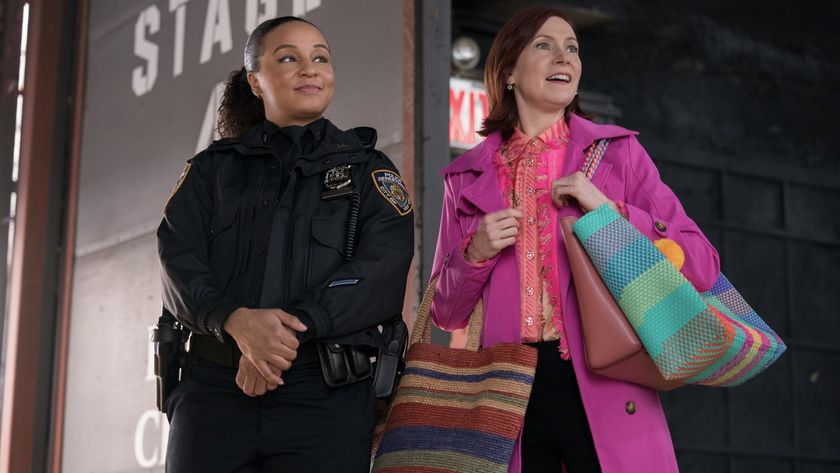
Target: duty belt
<point>228,354</point>
<point>209,348</point>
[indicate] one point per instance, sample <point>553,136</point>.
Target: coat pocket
<point>223,220</point>
<point>326,249</point>
<point>224,242</point>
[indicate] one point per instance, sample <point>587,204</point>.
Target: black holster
<point>169,338</point>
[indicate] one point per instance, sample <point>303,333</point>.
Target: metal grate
<point>766,216</point>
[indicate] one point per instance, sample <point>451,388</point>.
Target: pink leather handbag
<point>612,347</point>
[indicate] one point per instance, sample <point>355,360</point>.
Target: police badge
<point>337,182</point>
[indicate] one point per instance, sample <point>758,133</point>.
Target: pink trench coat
<point>626,441</point>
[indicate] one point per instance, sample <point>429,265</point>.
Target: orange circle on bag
<point>672,251</point>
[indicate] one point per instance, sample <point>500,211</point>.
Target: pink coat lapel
<point>484,192</point>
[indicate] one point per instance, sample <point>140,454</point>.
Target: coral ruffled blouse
<point>526,168</point>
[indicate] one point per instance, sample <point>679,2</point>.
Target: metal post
<point>434,26</point>
<point>29,353</point>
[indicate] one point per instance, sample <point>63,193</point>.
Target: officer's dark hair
<point>240,110</point>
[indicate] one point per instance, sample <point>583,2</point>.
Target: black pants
<point>302,426</point>
<point>556,430</point>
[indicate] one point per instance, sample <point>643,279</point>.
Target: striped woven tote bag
<point>713,339</point>
<point>456,410</point>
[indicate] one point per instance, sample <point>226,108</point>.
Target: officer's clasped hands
<point>267,339</point>
<point>251,381</point>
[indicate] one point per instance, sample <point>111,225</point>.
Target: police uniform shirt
<point>291,142</point>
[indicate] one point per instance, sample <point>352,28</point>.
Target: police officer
<point>287,235</point>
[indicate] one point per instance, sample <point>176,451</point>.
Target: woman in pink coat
<point>499,241</point>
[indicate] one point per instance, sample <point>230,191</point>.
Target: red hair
<point>509,43</point>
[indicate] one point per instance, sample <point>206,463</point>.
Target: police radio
<point>389,362</point>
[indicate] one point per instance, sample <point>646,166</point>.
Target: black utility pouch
<point>342,364</point>
<point>168,338</point>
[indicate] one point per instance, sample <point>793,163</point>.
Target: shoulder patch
<point>178,184</point>
<point>391,187</point>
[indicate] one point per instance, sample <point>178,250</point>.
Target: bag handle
<point>422,331</point>
<point>593,157</point>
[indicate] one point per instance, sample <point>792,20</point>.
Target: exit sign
<point>467,109</point>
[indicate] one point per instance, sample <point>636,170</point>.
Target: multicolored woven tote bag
<point>714,338</point>
<point>456,410</point>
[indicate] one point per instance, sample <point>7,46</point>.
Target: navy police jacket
<point>232,237</point>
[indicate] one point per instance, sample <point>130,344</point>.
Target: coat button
<point>660,226</point>
<point>252,303</point>
<point>630,407</point>
<point>265,203</point>
<point>259,252</point>
<point>265,138</point>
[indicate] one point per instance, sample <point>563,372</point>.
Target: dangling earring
<point>509,87</point>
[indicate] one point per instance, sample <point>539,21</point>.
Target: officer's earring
<point>509,87</point>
